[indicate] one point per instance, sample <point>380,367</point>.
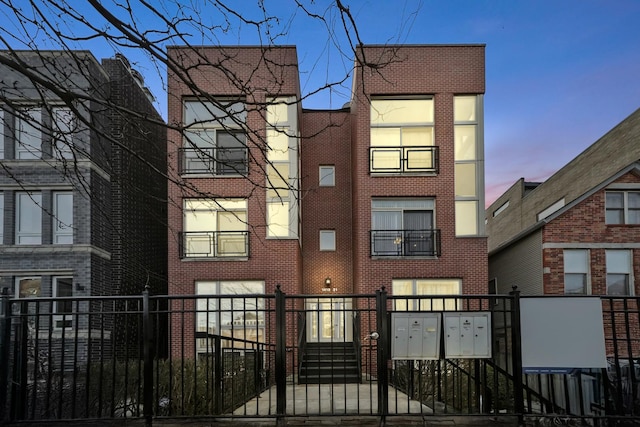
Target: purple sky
<point>560,73</point>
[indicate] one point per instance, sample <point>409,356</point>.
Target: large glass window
<point>237,315</point>
<point>28,218</point>
<point>468,171</point>
<point>403,227</point>
<point>214,139</point>
<point>619,277</point>
<point>623,207</point>
<point>576,271</point>
<point>215,228</point>
<point>416,289</point>
<point>402,136</point>
<point>63,309</point>
<point>62,218</point>
<point>28,134</point>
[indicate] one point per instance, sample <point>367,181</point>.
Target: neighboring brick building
<point>387,191</point>
<point>578,233</point>
<point>82,191</point>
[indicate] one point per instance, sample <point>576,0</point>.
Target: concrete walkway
<point>328,399</point>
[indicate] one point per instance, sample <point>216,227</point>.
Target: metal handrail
<point>407,159</point>
<point>408,243</point>
<point>216,161</point>
<point>213,244</point>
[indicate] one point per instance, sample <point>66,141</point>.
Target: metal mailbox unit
<point>417,335</point>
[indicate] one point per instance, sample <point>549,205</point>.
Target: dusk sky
<point>559,73</point>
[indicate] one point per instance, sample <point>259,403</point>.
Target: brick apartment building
<point>387,191</point>
<point>82,209</point>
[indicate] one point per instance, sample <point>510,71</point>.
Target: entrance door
<point>329,320</point>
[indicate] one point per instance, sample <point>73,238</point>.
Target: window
<point>28,287</point>
<point>619,272</point>
<point>403,227</point>
<point>64,125</point>
<point>402,136</point>
<point>415,289</point>
<point>63,218</point>
<point>327,176</point>
<point>238,316</point>
<point>576,271</point>
<point>28,135</point>
<point>1,218</point>
<point>468,169</point>
<point>215,142</point>
<point>63,310</point>
<point>28,218</point>
<point>503,207</point>
<point>622,207</point>
<point>215,228</point>
<point>327,240</point>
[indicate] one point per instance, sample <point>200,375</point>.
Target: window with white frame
<point>214,138</point>
<point>403,227</point>
<point>622,207</point>
<point>576,271</point>
<point>64,125</point>
<point>62,217</point>
<point>327,240</point>
<point>415,291</point>
<point>401,136</point>
<point>237,315</point>
<point>327,176</point>
<point>28,218</point>
<point>619,272</point>
<point>215,228</point>
<point>62,309</point>
<point>28,287</point>
<point>28,133</point>
<point>468,171</point>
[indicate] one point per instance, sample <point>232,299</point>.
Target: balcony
<point>210,161</point>
<point>405,243</point>
<point>398,160</point>
<point>214,244</point>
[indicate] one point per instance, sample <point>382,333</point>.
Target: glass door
<point>329,320</point>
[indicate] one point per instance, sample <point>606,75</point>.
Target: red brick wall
<point>585,223</point>
<point>327,208</point>
<point>441,71</point>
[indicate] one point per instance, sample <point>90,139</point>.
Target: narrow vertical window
<point>2,118</point>
<point>64,125</point>
<point>619,272</point>
<point>1,218</point>
<point>28,218</point>
<point>28,134</point>
<point>576,270</point>
<point>63,309</point>
<point>62,218</point>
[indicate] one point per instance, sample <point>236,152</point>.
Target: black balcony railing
<point>214,244</point>
<point>220,161</point>
<point>423,159</point>
<point>397,243</point>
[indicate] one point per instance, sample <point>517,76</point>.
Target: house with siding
<point>387,191</point>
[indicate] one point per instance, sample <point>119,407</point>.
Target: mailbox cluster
<point>417,335</point>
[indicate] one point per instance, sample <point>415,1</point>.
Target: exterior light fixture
<point>326,287</point>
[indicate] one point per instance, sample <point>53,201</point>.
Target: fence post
<point>281,356</point>
<point>516,354</point>
<point>218,374</point>
<point>19,375</point>
<point>5,341</point>
<point>147,331</point>
<point>383,339</point>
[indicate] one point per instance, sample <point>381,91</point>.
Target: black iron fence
<point>276,355</point>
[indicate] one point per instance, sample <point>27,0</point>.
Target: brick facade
<point>338,138</point>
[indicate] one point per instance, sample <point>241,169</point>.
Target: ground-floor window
<point>431,288</point>
<point>230,309</point>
